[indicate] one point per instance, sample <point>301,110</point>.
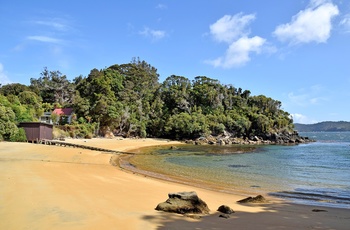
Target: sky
<point>294,51</point>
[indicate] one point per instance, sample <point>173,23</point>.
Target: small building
<point>46,117</point>
<point>65,115</point>
<point>37,131</point>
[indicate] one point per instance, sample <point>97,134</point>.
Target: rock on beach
<point>184,203</point>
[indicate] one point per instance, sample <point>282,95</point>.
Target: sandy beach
<point>53,187</point>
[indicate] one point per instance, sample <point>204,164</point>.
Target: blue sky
<point>294,51</point>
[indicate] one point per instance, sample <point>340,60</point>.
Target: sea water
<point>316,173</point>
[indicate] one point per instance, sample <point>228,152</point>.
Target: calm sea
<point>316,173</point>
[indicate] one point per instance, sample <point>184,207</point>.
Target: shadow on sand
<point>271,216</point>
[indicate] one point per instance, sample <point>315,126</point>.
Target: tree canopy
<point>129,100</point>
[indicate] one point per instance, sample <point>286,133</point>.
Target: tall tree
<point>140,83</point>
<point>207,93</point>
<point>53,87</point>
<point>13,89</point>
<point>96,97</point>
<point>176,94</point>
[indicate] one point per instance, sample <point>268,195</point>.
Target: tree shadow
<point>270,217</point>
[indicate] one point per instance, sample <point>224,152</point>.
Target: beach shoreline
<point>126,163</point>
<point>53,187</point>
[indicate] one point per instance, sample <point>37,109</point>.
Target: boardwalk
<point>65,144</point>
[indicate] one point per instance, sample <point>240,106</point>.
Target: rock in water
<point>257,199</point>
<point>183,203</point>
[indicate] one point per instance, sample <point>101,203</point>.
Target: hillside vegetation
<point>128,100</point>
<point>326,126</point>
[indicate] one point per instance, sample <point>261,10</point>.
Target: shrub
<point>59,133</point>
<point>19,136</point>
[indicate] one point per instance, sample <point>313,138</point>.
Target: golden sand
<point>52,187</point>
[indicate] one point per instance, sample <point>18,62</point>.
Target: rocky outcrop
<point>288,138</point>
<point>284,138</point>
<point>183,203</point>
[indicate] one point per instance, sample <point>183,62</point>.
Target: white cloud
<point>229,28</point>
<point>161,6</point>
<point>3,77</point>
<point>155,35</point>
<point>314,24</point>
<point>238,52</point>
<point>345,23</point>
<point>233,30</point>
<point>56,24</point>
<point>306,97</point>
<point>302,119</point>
<point>45,39</point>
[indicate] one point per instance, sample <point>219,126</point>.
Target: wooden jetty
<point>65,144</point>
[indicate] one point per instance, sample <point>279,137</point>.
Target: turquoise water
<point>316,173</point>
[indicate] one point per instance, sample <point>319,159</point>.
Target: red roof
<point>65,111</point>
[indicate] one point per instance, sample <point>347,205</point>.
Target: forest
<point>128,100</point>
<point>325,126</point>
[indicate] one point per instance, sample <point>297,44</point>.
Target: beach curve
<point>52,187</point>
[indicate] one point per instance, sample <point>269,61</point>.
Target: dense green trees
<point>8,120</point>
<point>53,87</point>
<point>128,100</point>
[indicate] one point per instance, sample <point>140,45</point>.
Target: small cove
<point>316,173</point>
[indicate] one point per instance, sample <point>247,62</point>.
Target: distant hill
<point>325,126</point>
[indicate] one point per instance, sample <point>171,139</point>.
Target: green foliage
<point>59,133</point>
<point>176,94</point>
<point>53,87</point>
<point>19,136</point>
<point>47,107</point>
<point>185,125</point>
<point>206,93</point>
<point>8,128</point>
<point>32,102</point>
<point>96,97</point>
<point>128,100</point>
<point>76,131</point>
<point>13,89</point>
<point>22,112</point>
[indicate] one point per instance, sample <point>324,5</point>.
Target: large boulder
<point>183,203</point>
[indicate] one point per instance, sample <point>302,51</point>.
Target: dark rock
<point>211,143</point>
<point>319,210</point>
<point>183,203</point>
<point>198,143</point>
<point>225,209</point>
<point>257,199</point>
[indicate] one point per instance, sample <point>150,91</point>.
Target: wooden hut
<point>37,131</point>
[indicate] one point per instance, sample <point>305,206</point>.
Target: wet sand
<point>52,187</point>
